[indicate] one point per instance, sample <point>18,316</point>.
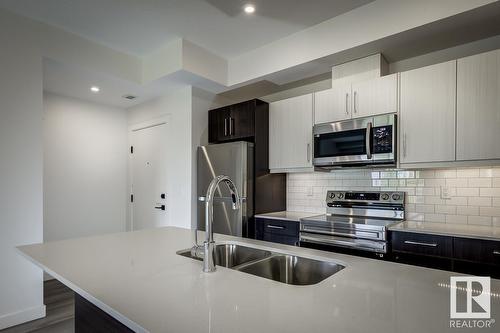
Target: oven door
<point>345,142</point>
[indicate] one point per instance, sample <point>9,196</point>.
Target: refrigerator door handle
<point>222,199</point>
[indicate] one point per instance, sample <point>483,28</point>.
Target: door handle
<point>354,102</point>
<point>368,141</point>
<point>231,126</point>
<point>162,207</point>
<point>275,227</point>
<point>347,103</point>
<point>404,145</point>
<point>225,126</point>
<point>308,152</point>
<point>420,243</point>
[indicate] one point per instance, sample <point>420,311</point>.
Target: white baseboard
<point>20,317</point>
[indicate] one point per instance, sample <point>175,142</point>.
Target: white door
<point>149,177</point>
<point>427,115</point>
<point>478,107</point>
<point>373,97</point>
<point>290,133</point>
<point>332,104</point>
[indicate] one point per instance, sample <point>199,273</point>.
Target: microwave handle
<point>368,141</point>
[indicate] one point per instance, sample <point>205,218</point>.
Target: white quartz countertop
<point>138,278</point>
<point>286,215</point>
<point>448,229</point>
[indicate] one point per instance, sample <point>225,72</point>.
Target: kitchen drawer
<point>278,227</point>
<point>422,244</point>
<point>476,250</point>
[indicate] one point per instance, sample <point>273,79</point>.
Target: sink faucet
<point>207,250</point>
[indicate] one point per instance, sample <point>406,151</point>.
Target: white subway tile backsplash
<point>459,219</point>
<point>479,220</point>
<point>490,211</point>
<point>467,210</point>
<point>441,218</point>
<point>468,191</point>
<point>479,201</point>
<point>456,182</point>
<point>474,192</point>
<point>443,209</point>
<point>424,208</point>
<point>451,173</point>
<point>485,172</point>
<point>467,173</point>
<point>479,182</point>
<point>489,192</point>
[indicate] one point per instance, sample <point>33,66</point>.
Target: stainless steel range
<point>355,220</point>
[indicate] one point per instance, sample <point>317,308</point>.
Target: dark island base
<point>90,319</point>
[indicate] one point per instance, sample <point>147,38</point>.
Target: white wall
<point>85,168</point>
<point>177,104</point>
<point>21,158</point>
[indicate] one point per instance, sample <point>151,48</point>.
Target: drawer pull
<point>275,226</point>
<point>420,243</point>
<point>496,253</point>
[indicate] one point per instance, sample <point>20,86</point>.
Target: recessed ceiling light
<point>249,9</point>
<point>95,89</point>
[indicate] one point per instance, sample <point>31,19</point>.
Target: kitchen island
<point>138,279</point>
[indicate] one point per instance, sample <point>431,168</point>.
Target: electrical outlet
<point>310,191</point>
<point>445,193</point>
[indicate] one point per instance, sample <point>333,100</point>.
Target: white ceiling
<point>140,27</point>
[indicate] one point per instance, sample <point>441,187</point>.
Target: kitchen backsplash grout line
<point>472,194</point>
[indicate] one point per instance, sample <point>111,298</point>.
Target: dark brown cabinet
<point>249,121</point>
<point>459,254</point>
<point>423,244</point>
<point>234,122</point>
<point>477,250</point>
<point>277,231</point>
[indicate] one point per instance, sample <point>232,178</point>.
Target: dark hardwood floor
<point>60,303</point>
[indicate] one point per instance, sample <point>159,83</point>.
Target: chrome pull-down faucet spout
<point>208,247</point>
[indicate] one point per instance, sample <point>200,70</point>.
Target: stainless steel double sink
<point>285,268</point>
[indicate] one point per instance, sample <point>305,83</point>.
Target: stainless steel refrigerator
<point>235,160</point>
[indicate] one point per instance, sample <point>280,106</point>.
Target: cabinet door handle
<point>347,103</point>
<point>420,243</point>
<point>404,145</point>
<point>497,253</point>
<point>225,126</point>
<point>308,152</point>
<point>231,126</point>
<point>354,102</point>
<point>271,226</point>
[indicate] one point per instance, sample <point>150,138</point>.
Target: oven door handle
<point>366,245</point>
<point>368,141</point>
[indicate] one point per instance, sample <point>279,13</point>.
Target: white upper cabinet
<point>332,104</point>
<point>359,99</point>
<point>290,134</point>
<point>478,107</point>
<point>427,114</point>
<point>375,97</point>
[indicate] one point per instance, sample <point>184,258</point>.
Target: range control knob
<point>340,195</point>
<point>332,195</point>
<point>396,196</point>
<point>385,196</point>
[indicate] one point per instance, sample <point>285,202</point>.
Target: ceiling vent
<point>130,97</point>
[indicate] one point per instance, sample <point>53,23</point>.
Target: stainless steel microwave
<point>369,141</point>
